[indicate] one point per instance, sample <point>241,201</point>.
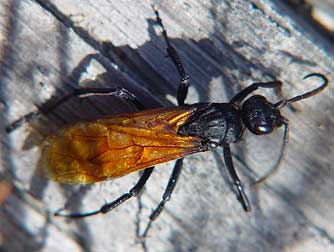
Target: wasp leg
<point>81,93</point>
<point>134,191</point>
<point>26,118</point>
<point>166,196</point>
<point>238,98</point>
<point>181,96</point>
<point>172,53</point>
<point>230,167</point>
<point>119,92</point>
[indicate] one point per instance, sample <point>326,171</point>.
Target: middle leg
<point>182,90</point>
<point>181,96</point>
<point>240,189</point>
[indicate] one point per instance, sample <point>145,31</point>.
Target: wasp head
<point>260,116</point>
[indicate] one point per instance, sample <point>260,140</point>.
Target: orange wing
<point>114,146</point>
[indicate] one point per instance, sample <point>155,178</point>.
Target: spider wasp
<point>116,145</point>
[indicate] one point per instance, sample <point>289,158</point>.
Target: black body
<point>215,123</point>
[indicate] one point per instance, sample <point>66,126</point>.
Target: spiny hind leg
<point>80,93</point>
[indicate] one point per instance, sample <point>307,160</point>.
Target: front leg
<point>230,167</point>
<point>238,98</point>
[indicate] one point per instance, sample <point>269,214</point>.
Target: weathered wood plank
<point>47,48</point>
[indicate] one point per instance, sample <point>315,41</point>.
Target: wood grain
<point>47,48</point>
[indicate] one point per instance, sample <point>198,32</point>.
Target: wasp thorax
<point>215,123</point>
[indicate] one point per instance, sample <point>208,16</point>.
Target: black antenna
<point>306,95</point>
<point>282,152</point>
<point>285,122</point>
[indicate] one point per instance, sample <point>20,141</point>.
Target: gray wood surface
<point>47,48</point>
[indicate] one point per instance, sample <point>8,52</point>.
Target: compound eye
<point>263,129</point>
<point>260,124</point>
